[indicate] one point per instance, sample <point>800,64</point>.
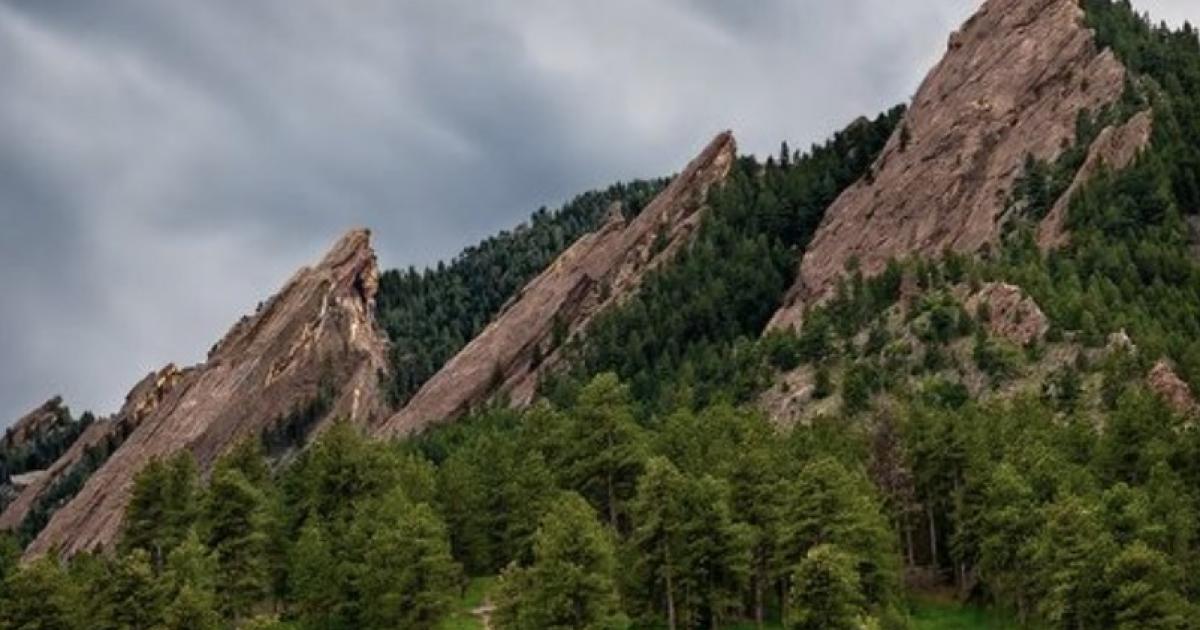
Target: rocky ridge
<point>1115,148</point>
<point>37,422</point>
<point>318,334</point>
<point>1012,85</point>
<point>106,434</point>
<point>601,269</point>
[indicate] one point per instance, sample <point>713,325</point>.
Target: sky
<point>164,166</point>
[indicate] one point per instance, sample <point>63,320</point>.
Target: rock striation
<point>317,335</point>
<point>1115,148</point>
<point>1012,84</point>
<point>603,268</point>
<point>98,441</point>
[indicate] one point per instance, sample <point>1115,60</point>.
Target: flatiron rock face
<point>1114,149</point>
<point>318,334</point>
<point>1011,85</point>
<point>102,436</point>
<point>25,431</point>
<point>600,269</point>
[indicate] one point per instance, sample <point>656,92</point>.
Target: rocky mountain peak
<point>310,354</point>
<point>1012,84</point>
<point>599,270</point>
<point>27,429</point>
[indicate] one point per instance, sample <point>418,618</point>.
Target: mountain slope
<point>59,482</point>
<point>311,353</point>
<point>600,269</point>
<point>1011,87</point>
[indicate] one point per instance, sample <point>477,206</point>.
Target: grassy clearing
<point>929,612</point>
<point>461,618</point>
<point>940,614</point>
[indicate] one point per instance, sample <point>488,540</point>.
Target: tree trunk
<point>670,592</point>
<point>933,546</point>
<point>908,542</point>
<point>612,501</point>
<point>758,596</point>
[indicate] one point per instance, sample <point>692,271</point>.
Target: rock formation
<point>600,269</point>
<point>1011,85</point>
<point>317,335</point>
<point>100,439</point>
<point>1012,315</point>
<point>45,418</point>
<point>1115,148</point>
<point>1163,381</point>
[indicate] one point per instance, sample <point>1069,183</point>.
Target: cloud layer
<point>166,165</point>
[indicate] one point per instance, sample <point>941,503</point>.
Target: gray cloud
<point>165,165</point>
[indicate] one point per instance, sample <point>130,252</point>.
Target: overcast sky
<point>166,165</point>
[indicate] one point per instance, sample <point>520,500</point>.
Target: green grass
<point>460,617</point>
<point>933,614</point>
<point>929,612</point>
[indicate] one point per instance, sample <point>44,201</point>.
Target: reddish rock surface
<point>1163,381</point>
<point>37,422</point>
<point>141,401</point>
<point>1012,315</point>
<point>318,329</point>
<point>1114,149</point>
<point>1012,85</point>
<point>600,269</point>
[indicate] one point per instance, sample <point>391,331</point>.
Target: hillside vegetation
<point>1039,483</point>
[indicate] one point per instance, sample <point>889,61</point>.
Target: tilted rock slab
<point>139,403</point>
<point>1114,149</point>
<point>1012,85</point>
<point>320,327</point>
<point>602,268</point>
<point>34,424</point>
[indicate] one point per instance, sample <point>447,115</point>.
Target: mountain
<point>952,350</point>
<point>1010,89</point>
<point>61,480</point>
<point>601,269</point>
<point>311,353</point>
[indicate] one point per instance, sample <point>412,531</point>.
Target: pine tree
<point>314,577</point>
<point>572,581</point>
<point>10,557</point>
<point>136,597</point>
<point>1009,524</point>
<point>1144,591</point>
<point>409,578</point>
<point>163,507</point>
<point>38,596</point>
<point>657,516</point>
<point>236,525</point>
<point>607,446</point>
<point>191,579</point>
<point>825,593</point>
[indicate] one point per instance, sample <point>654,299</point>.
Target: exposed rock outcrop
<point>1012,85</point>
<point>600,269</point>
<point>318,334</point>
<point>1011,314</point>
<point>100,439</point>
<point>45,418</point>
<point>1163,381</point>
<point>1114,149</point>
